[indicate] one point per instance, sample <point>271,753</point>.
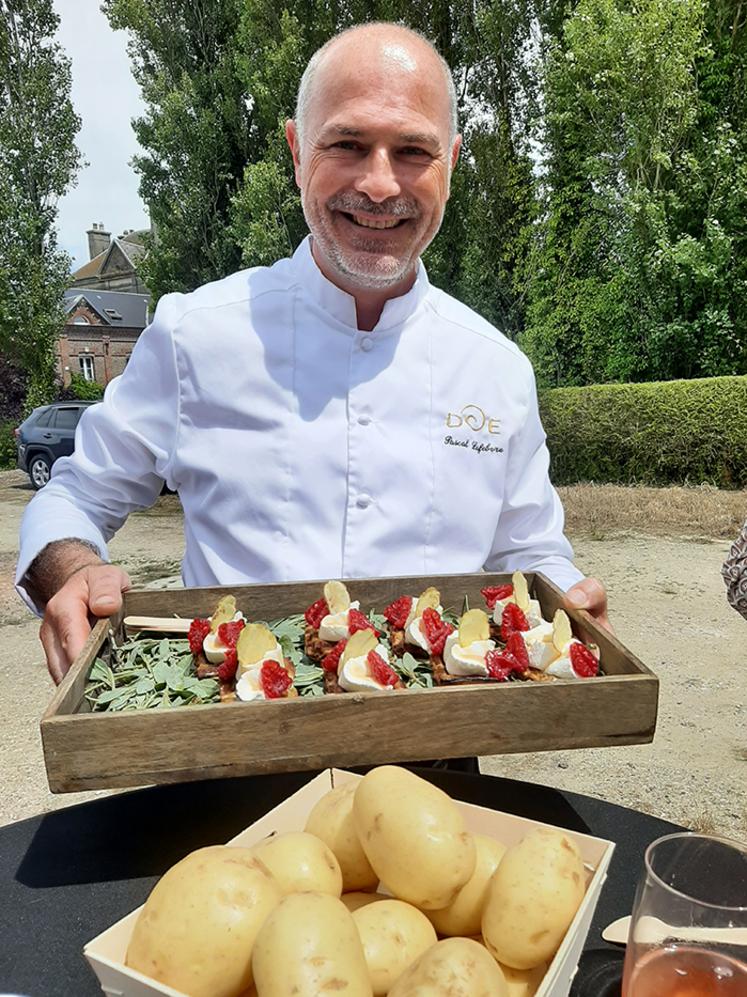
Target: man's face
<point>375,162</point>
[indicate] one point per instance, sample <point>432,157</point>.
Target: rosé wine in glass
<point>688,934</point>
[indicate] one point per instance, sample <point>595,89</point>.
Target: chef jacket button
<point>367,343</point>
<point>363,501</point>
<point>364,420</point>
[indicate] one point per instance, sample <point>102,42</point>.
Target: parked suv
<point>48,433</point>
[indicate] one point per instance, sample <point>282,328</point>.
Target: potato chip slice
<point>473,626</point>
<point>521,591</point>
<point>337,596</point>
<point>224,612</point>
<point>430,599</point>
<point>358,645</point>
<point>255,640</point>
<point>561,630</point>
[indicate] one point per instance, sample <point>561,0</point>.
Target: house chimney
<point>98,239</point>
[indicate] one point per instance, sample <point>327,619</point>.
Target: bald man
<point>331,416</point>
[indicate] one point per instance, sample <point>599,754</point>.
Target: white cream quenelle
<point>466,660</point>
<point>466,649</point>
<point>213,647</point>
<point>355,674</point>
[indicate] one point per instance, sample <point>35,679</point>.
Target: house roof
<point>130,245</point>
<point>91,268</point>
<point>117,308</point>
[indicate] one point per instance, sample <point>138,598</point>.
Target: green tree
<point>38,162</point>
<point>195,133</point>
<point>639,273</point>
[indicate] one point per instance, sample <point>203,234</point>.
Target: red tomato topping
<point>274,679</point>
<point>496,593</point>
<point>500,665</point>
<point>516,647</point>
<point>381,672</point>
<point>396,613</point>
<point>512,619</point>
<point>227,669</point>
<point>316,613</point>
<point>436,630</point>
<point>357,621</point>
<point>331,660</point>
<point>583,661</point>
<point>228,633</point>
<point>198,631</point>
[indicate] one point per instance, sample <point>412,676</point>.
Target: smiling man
<point>332,416</point>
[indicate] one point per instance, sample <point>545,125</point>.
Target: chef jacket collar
<point>341,305</point>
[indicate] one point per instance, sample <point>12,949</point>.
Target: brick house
<point>100,331</point>
<point>106,307</point>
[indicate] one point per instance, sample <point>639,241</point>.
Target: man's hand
<point>93,590</point>
<point>590,594</point>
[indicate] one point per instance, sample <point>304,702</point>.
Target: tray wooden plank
<point>85,750</point>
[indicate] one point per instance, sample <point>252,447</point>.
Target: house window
<point>80,320</point>
<point>86,368</point>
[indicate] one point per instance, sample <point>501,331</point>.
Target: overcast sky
<point>106,97</point>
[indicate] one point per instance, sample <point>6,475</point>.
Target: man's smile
<point>373,223</point>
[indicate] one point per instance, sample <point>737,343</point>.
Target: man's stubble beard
<point>376,276</point>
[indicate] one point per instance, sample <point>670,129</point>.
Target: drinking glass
<point>688,932</point>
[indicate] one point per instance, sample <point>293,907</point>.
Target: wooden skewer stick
<point>652,931</point>
<point>157,624</point>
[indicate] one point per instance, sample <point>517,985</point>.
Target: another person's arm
<point>123,452</point>
<point>530,533</point>
<point>734,573</point>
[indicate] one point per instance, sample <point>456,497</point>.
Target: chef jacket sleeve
<point>124,447</point>
<point>529,536</point>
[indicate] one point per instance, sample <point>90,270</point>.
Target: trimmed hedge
<point>661,433</point>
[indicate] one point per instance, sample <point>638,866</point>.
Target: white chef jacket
<point>303,448</point>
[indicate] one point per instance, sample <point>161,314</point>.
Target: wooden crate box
<point>85,750</point>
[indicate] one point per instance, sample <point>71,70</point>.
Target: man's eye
<point>346,144</point>
<point>414,150</point>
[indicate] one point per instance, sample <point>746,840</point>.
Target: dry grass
<point>698,512</point>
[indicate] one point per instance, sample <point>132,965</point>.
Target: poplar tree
<point>38,162</point>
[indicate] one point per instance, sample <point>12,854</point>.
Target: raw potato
<point>308,946</point>
<point>301,862</point>
<point>464,915</point>
<point>455,967</point>
<point>413,836</point>
<point>198,926</point>
<point>355,900</point>
<point>394,934</point>
<point>524,982</point>
<point>532,899</point>
<point>332,821</point>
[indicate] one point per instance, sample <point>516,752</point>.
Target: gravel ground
<point>667,604</point>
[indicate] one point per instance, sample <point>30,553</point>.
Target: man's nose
<point>378,179</point>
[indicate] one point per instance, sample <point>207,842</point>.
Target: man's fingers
<point>105,586</point>
<point>56,663</point>
<point>590,594</point>
<point>587,593</point>
<point>66,617</point>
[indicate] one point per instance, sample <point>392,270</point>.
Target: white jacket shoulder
<point>450,310</point>
<point>236,288</point>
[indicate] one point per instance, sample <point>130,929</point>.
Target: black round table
<point>68,875</point>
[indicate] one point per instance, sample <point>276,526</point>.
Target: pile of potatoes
<point>297,913</point>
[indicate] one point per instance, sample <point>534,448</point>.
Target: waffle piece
<point>314,646</point>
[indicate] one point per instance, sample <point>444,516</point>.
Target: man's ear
<point>291,137</point>
<point>455,150</point>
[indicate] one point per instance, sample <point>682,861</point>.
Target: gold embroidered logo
<point>475,419</point>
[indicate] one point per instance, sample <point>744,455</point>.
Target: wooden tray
<point>84,750</point>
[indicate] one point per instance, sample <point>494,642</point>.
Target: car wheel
<point>39,470</point>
